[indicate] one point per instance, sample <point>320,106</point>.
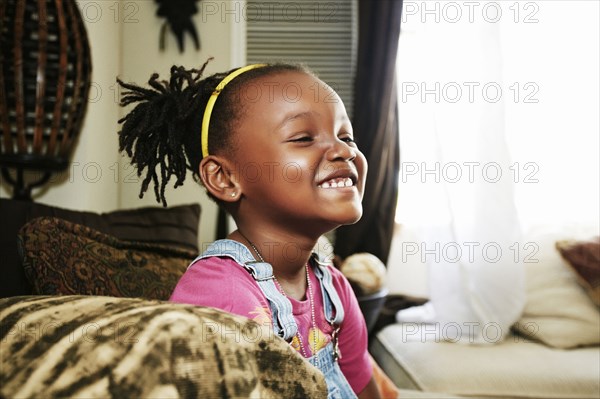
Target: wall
<point>124,39</point>
<point>141,57</point>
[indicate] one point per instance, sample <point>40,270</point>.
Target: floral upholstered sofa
<point>552,351</point>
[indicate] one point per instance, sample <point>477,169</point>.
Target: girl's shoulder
<point>220,269</point>
<point>216,264</point>
<point>219,282</point>
<point>226,248</point>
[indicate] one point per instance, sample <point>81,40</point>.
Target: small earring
<point>233,194</point>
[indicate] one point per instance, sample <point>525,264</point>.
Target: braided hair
<point>161,134</point>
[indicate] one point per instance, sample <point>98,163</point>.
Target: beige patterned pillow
<point>584,259</point>
<point>102,347</point>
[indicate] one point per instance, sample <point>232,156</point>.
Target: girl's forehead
<point>291,85</point>
<point>288,87</point>
<point>287,75</point>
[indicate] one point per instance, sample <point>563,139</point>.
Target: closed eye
<point>347,139</point>
<point>302,139</point>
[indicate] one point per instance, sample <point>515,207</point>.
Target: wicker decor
<point>45,71</point>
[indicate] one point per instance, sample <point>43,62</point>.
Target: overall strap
<point>334,311</point>
<point>284,324</point>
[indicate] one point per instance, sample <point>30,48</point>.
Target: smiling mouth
<point>337,183</point>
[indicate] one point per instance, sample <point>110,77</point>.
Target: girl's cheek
<point>361,164</point>
<point>300,166</point>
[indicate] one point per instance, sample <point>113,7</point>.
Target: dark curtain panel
<point>375,123</point>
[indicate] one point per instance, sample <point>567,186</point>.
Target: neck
<point>287,253</point>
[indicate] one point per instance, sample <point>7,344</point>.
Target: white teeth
<point>338,183</point>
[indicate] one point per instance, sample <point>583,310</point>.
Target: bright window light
<point>546,88</point>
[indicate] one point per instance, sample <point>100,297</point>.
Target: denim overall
<point>284,324</point>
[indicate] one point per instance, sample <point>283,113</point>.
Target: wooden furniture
<point>45,76</point>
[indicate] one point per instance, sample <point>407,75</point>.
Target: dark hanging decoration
<point>178,15</point>
<point>45,77</point>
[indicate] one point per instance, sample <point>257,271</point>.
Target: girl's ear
<point>218,176</point>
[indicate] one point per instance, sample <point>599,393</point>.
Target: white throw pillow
<point>558,312</point>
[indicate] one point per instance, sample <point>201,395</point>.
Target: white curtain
<point>469,182</point>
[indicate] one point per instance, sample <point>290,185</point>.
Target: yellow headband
<point>213,99</point>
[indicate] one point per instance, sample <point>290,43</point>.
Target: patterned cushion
<point>63,258</point>
<point>102,347</point>
<point>174,226</point>
<point>584,258</point>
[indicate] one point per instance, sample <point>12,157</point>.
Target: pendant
<point>336,348</point>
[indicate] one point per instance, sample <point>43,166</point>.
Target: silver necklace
<point>311,301</point>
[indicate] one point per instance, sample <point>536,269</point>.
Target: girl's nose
<point>340,150</point>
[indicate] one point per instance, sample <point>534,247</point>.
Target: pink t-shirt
<point>221,283</point>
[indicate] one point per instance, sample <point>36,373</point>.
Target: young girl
<point>273,145</point>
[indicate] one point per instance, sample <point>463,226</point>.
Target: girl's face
<point>295,156</point>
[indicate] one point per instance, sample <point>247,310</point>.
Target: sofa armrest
<point>94,346</point>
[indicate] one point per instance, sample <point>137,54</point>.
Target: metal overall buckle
<point>335,340</point>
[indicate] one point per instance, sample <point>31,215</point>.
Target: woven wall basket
<point>45,71</point>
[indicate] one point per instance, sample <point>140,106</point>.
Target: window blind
<point>320,34</point>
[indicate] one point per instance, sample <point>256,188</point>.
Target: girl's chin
<point>351,218</point>
<point>353,221</point>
